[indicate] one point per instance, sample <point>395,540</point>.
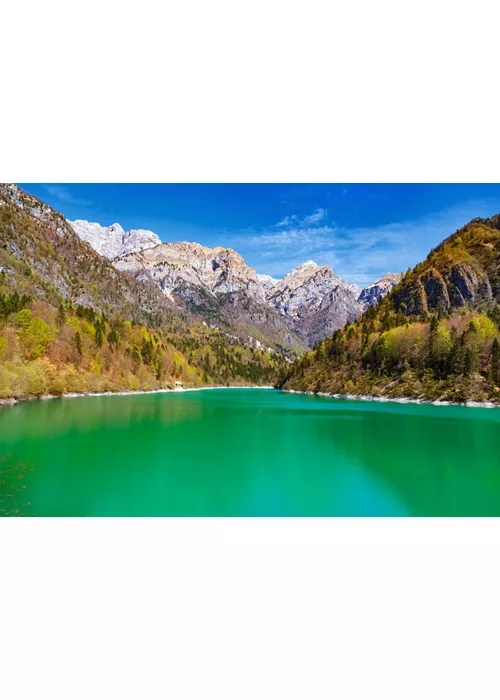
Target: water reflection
<point>438,460</point>
<point>237,453</point>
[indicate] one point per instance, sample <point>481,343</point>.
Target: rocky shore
<point>389,399</point>
<point>13,401</point>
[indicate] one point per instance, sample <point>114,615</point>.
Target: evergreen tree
<point>98,334</point>
<point>495,361</point>
<point>78,341</point>
<point>113,339</point>
<point>433,359</point>
<point>470,363</point>
<point>61,316</point>
<point>453,357</point>
<point>400,318</point>
<point>494,314</point>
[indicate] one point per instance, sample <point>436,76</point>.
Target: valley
<point>92,308</point>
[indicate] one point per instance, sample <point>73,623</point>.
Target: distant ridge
<point>311,300</point>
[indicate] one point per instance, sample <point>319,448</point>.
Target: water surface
<point>246,452</point>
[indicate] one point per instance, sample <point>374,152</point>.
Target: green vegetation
<point>70,322</point>
<point>48,350</point>
<point>454,359</point>
<point>435,336</point>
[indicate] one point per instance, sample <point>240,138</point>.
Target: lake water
<point>247,452</point>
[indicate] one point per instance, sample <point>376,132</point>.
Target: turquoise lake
<point>247,452</point>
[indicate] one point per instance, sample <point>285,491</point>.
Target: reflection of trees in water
<point>240,454</point>
<point>14,493</point>
<point>58,416</point>
<point>112,455</point>
<point>440,461</point>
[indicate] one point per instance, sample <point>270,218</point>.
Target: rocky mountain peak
<point>174,265</point>
<point>306,267</point>
<point>314,300</point>
<point>115,228</point>
<point>267,282</point>
<point>311,299</point>
<point>371,294</point>
<point>113,241</point>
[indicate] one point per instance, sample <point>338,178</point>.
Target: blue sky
<point>360,230</point>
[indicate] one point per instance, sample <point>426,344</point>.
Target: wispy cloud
<point>311,220</point>
<point>64,195</point>
<point>315,217</point>
<point>358,254</point>
<point>288,221</point>
<point>287,241</point>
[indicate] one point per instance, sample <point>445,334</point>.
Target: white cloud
<point>311,220</point>
<point>287,221</point>
<point>315,217</point>
<point>358,254</point>
<point>64,195</point>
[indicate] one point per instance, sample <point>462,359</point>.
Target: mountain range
<point>72,322</point>
<point>435,335</point>
<point>303,308</point>
<point>84,307</point>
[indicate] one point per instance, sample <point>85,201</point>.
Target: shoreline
<point>76,395</point>
<point>323,394</point>
<point>388,399</point>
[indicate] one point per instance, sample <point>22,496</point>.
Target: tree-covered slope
<point>462,271</point>
<point>35,239</point>
<point>435,335</point>
<point>69,321</point>
<point>42,256</point>
<point>49,350</point>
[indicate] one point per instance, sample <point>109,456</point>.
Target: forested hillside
<point>70,322</point>
<point>434,336</point>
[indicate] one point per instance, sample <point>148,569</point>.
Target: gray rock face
<point>436,291</point>
<point>314,301</point>
<point>465,287</point>
<point>371,294</point>
<point>267,282</point>
<point>311,300</point>
<point>112,241</point>
<point>217,270</point>
<point>31,205</point>
<point>461,286</point>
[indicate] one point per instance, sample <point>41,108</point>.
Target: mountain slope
<point>308,304</point>
<point>314,301</point>
<point>462,271</point>
<point>216,284</point>
<point>435,335</point>
<point>218,270</point>
<point>43,256</point>
<point>370,295</point>
<point>66,312</point>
